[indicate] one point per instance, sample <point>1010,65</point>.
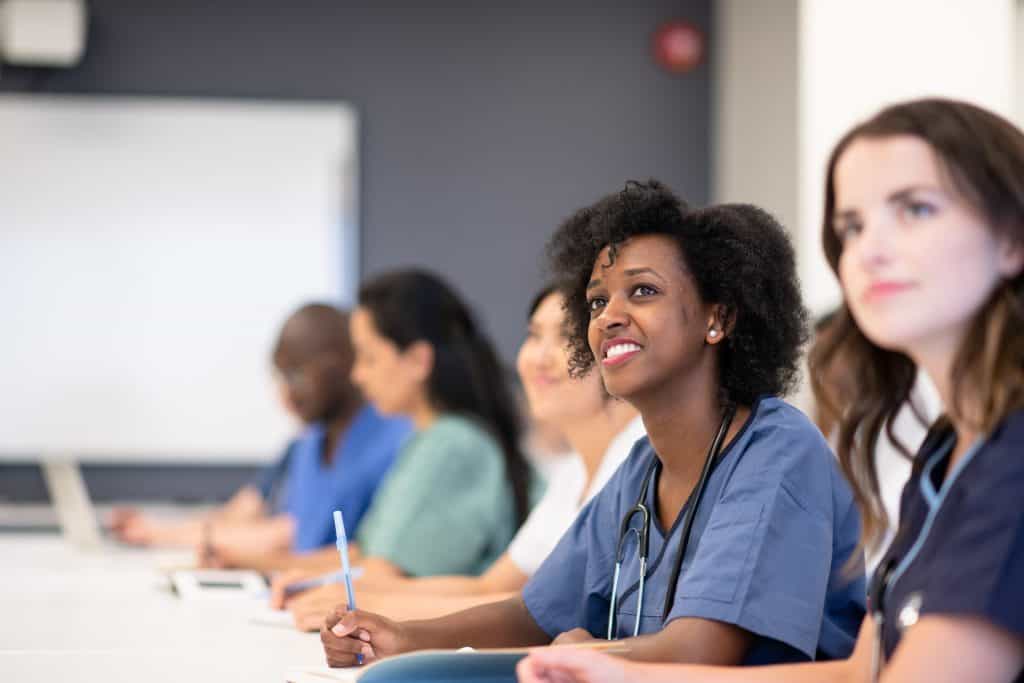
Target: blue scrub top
<point>271,479</point>
<point>768,550</point>
<point>959,550</point>
<point>313,490</point>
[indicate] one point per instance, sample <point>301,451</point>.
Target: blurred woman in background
<point>601,431</point>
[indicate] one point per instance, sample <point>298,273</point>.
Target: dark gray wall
<point>483,124</point>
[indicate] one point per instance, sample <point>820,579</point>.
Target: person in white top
<point>570,486</point>
<point>601,431</point>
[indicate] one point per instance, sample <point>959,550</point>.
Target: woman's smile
<point>615,352</point>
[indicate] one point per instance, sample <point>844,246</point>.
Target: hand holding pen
<point>351,637</point>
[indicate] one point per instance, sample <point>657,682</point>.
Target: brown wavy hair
<point>864,385</point>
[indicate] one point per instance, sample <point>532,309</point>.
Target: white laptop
<point>71,502</point>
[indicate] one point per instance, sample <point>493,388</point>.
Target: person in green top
<point>461,486</point>
<point>446,506</point>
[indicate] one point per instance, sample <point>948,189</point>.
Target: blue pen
<point>315,582</point>
<point>323,580</point>
<point>342,543</point>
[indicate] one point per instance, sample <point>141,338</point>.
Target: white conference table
<point>109,616</point>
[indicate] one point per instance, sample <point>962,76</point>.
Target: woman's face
<point>648,326</point>
<point>543,364</point>
<point>917,261</point>
<point>389,378</point>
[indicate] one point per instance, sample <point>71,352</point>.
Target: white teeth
<point>619,349</point>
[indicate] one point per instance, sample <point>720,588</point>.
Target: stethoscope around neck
<point>643,533</point>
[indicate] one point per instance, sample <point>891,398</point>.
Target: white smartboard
<point>149,250</point>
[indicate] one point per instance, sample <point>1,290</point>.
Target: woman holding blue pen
<point>728,535</point>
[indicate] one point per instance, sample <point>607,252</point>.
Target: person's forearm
<point>432,585</point>
<point>407,606</point>
<point>687,647</point>
<point>692,640</point>
<point>320,560</point>
<point>839,671</point>
<point>498,624</point>
<point>246,505</point>
<point>651,648</point>
<point>503,577</point>
<point>186,534</point>
<point>267,537</point>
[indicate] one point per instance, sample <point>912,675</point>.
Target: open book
<point>466,665</point>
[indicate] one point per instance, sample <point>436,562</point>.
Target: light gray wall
<point>755,105</point>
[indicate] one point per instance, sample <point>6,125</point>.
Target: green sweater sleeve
<point>445,505</point>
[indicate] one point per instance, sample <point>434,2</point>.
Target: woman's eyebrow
<point>844,215</point>
<point>640,271</point>
<point>905,193</point>
<point>596,282</point>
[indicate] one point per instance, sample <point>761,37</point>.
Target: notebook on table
<point>433,666</point>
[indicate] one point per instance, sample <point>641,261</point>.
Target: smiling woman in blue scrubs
<point>924,226</point>
<point>695,318</point>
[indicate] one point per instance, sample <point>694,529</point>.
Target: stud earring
<point>713,333</point>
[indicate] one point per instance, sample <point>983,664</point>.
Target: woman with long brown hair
<point>924,226</point>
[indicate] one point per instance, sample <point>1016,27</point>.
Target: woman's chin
<point>617,388</point>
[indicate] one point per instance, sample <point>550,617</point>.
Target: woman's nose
<point>614,314</point>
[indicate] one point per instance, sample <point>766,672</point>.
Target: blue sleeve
<point>846,600</point>
<point>763,561</point>
<point>571,587</point>
<point>270,481</point>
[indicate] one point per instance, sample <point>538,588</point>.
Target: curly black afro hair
<point>738,256</point>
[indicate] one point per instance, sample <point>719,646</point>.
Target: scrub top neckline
<point>649,498</point>
<point>318,433</point>
<point>325,460</point>
<point>651,495</point>
<point>933,500</point>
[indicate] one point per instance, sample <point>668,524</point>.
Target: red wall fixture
<point>678,46</point>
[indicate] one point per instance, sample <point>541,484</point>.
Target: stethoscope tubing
<point>643,534</point>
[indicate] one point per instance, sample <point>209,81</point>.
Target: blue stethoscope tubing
<point>644,531</point>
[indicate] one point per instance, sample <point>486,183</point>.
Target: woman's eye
<point>595,304</point>
<point>644,290</point>
<point>847,229</point>
<point>917,209</point>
